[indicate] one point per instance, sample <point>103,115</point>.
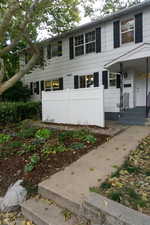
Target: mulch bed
<point>12,164</point>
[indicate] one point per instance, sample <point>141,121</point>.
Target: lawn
<point>130,184</point>
<point>33,153</point>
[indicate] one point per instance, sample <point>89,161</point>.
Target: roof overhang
<point>140,52</point>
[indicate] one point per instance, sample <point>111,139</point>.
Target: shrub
<point>34,160</point>
<point>17,111</point>
<point>27,132</point>
<point>77,146</point>
<point>89,139</point>
<point>65,135</point>
<point>4,138</point>
<point>53,149</point>
<point>43,134</point>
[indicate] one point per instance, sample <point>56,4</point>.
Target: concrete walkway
<point>73,183</point>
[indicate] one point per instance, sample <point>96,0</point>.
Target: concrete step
<point>131,122</point>
<point>43,212</point>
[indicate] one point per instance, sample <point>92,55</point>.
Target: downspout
<point>121,87</point>
<point>147,74</point>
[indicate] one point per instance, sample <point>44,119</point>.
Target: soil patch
<point>25,155</point>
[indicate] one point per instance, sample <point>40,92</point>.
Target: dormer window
<point>127,30</point>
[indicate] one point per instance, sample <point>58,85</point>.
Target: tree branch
<point>1,70</point>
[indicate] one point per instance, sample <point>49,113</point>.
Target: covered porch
<point>134,70</point>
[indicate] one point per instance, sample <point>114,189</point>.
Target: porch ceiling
<point>133,59</point>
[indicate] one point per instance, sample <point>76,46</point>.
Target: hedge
<point>17,111</point>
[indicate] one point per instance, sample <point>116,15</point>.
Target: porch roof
<point>140,52</point>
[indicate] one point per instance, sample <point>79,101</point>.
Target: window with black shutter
<point>118,81</point>
<point>37,87</point>
<point>49,51</point>
<point>98,39</point>
<point>96,79</point>
<point>71,48</point>
<point>42,85</point>
<point>76,82</point>
<point>61,83</point>
<point>116,31</point>
<point>105,79</point>
<point>59,48</point>
<point>138,28</point>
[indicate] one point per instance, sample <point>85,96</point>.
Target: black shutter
<point>59,48</point>
<point>138,28</point>
<point>49,51</point>
<point>105,79</point>
<point>116,27</point>
<point>76,82</point>
<point>96,79</point>
<point>71,49</point>
<point>118,81</point>
<point>98,39</point>
<point>31,88</point>
<point>42,85</point>
<point>37,87</point>
<point>61,83</point>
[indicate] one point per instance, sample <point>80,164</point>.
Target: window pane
<point>112,83</point>
<point>90,36</point>
<point>82,81</point>
<point>54,50</point>
<point>55,84</point>
<point>79,40</point>
<point>90,47</point>
<point>48,85</point>
<point>112,80</point>
<point>127,37</point>
<point>127,25</point>
<point>90,80</point>
<point>79,50</point>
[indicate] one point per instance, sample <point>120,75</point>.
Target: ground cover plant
<point>130,184</point>
<point>33,153</point>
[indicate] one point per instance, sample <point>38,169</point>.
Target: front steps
<point>44,212</point>
<point>135,116</point>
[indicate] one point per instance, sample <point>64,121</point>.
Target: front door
<point>140,90</point>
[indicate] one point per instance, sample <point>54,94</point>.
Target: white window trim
<point>131,42</point>
<point>84,43</point>
<point>112,87</point>
<point>85,80</point>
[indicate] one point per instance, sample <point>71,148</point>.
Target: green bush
<point>17,111</point>
<point>43,134</point>
<point>27,132</point>
<point>4,138</point>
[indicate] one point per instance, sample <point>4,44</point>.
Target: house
<point>114,51</point>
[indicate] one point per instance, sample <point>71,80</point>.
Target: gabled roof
<point>104,19</point>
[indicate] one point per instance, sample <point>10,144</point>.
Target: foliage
<point>43,134</point>
<point>17,111</point>
<point>48,149</point>
<point>17,93</point>
<point>15,144</point>
<point>129,185</point>
<point>19,25</point>
<point>27,132</point>
<point>27,148</point>
<point>77,145</point>
<point>4,138</point>
<point>80,133</point>
<point>111,6</point>
<point>89,139</point>
<point>34,160</point>
<point>65,135</point>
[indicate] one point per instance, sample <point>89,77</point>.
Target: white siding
<point>89,63</point>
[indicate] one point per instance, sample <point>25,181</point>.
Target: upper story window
<point>127,30</point>
<point>90,42</point>
<point>85,43</point>
<point>54,49</point>
<point>79,45</point>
